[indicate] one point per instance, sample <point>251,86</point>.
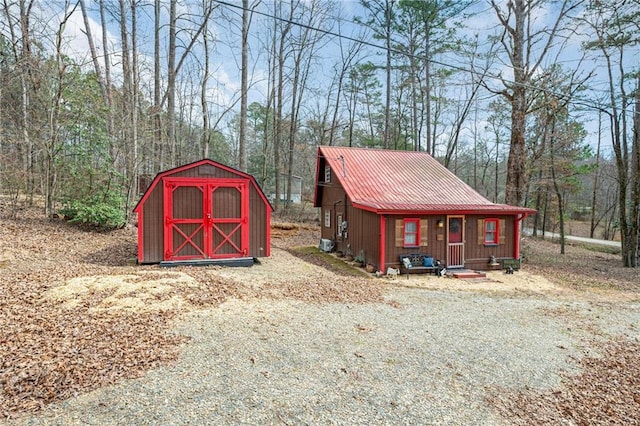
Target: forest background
<point>532,103</point>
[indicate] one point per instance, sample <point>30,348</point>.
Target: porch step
<point>466,273</point>
<point>237,261</point>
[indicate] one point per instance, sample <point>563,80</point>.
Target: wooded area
<point>531,103</point>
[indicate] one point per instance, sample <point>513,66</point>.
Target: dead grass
<point>329,261</point>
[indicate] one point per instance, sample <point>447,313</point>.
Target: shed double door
<point>205,218</point>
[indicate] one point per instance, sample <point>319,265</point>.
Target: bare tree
<point>22,51</point>
<point>92,47</point>
<point>615,30</point>
<point>380,21</point>
<point>348,56</point>
<point>107,80</point>
<point>526,46</point>
<point>303,54</point>
<point>242,150</point>
<point>54,111</point>
<point>171,83</point>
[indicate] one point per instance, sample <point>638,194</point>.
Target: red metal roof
<point>387,181</point>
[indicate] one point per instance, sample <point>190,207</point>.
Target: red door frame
<point>455,242</point>
<point>208,222</point>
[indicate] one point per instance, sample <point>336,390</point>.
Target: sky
<point>225,64</point>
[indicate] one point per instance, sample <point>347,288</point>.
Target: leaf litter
<point>76,315</point>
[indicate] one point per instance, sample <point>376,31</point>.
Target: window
<point>411,232</point>
<point>327,174</point>
<point>491,230</point>
<point>327,218</point>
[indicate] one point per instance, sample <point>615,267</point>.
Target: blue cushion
<point>428,262</point>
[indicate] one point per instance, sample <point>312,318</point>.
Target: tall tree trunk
<point>526,49</point>
<point>133,162</point>
<point>92,48</point>
<point>51,151</point>
<point>596,173</point>
<point>427,88</point>
<point>242,145</point>
<point>122,156</point>
<point>516,164</point>
<point>171,84</point>
<point>279,104</point>
<point>157,97</point>
<point>107,83</point>
<point>517,153</point>
<point>387,109</point>
<point>24,59</point>
<point>634,231</point>
<point>203,91</point>
<point>556,187</point>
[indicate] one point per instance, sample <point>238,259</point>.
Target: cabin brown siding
<point>333,201</point>
<point>363,228</point>
<point>365,235</point>
<point>476,254</point>
<point>431,245</point>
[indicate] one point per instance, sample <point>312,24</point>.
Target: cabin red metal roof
<point>387,181</point>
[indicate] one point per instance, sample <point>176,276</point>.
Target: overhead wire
<point>585,103</point>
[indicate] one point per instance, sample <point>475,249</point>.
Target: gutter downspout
<point>516,249</point>
<point>383,241</point>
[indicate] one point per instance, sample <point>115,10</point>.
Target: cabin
<point>203,212</point>
<point>380,205</point>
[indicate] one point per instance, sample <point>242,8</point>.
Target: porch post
<point>518,223</point>
<point>383,242</point>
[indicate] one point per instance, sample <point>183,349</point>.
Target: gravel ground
<point>423,357</point>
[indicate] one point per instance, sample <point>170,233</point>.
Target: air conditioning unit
<point>325,245</point>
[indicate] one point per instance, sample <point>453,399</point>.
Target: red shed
<point>203,212</point>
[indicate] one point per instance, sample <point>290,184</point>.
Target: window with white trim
<point>327,174</point>
<point>491,231</point>
<point>411,234</point>
<point>327,218</point>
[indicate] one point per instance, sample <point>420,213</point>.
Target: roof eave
<point>512,210</point>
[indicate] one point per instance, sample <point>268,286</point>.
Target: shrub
<point>102,211</point>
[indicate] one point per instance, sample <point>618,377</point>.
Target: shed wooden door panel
<point>205,219</point>
<point>229,219</point>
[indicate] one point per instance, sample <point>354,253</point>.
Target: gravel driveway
<point>423,357</point>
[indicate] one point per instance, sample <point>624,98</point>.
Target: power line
<point>588,103</point>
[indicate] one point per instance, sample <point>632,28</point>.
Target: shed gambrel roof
<point>199,163</point>
<point>396,182</point>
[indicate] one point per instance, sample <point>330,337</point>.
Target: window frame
<point>496,231</point>
<point>327,218</point>
<point>416,234</point>
<point>327,174</point>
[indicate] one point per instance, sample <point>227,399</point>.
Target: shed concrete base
<point>237,261</point>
